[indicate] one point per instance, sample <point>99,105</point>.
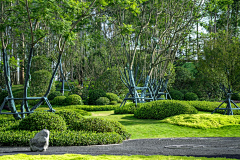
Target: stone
<point>40,142</point>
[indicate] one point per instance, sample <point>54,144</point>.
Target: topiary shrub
<point>190,96</point>
<point>129,108</point>
<point>113,102</point>
<point>176,95</point>
<point>100,125</point>
<point>54,94</point>
<point>42,120</point>
<point>102,101</point>
<point>59,100</point>
<point>120,100</point>
<point>112,96</point>
<point>163,109</point>
<point>69,116</point>
<point>95,94</point>
<point>73,99</point>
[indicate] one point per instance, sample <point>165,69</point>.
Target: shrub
<point>54,94</point>
<point>184,91</point>
<point>39,83</point>
<point>119,100</point>
<point>99,125</point>
<point>69,116</point>
<point>236,96</point>
<point>92,108</point>
<point>112,96</point>
<point>102,101</point>
<point>3,94</point>
<point>76,90</point>
<point>113,102</point>
<point>42,120</point>
<point>73,99</point>
<point>176,95</point>
<point>163,109</point>
<point>190,96</point>
<point>127,109</point>
<point>95,94</point>
<point>59,100</point>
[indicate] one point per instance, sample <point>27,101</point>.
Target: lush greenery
<point>102,101</point>
<point>73,99</point>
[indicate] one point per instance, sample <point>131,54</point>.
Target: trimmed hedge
<point>95,94</point>
<point>59,100</point>
<point>112,96</point>
<point>162,109</point>
<point>176,95</point>
<point>90,107</point>
<point>127,109</point>
<point>60,138</point>
<point>42,120</point>
<point>102,101</point>
<point>113,102</point>
<point>190,96</point>
<point>73,99</point>
<point>69,115</point>
<point>54,94</point>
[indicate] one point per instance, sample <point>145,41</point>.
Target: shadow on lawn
<point>131,120</point>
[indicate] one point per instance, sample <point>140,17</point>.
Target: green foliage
<point>59,100</point>
<point>3,94</point>
<point>203,121</point>
<point>236,96</point>
<point>163,109</point>
<point>112,96</point>
<point>119,100</point>
<point>41,63</point>
<point>69,116</point>
<point>53,95</point>
<point>102,101</point>
<point>190,96</point>
<point>95,94</point>
<point>127,109</point>
<point>113,102</point>
<point>90,107</point>
<point>99,125</point>
<point>73,99</point>
<point>39,83</point>
<point>176,95</point>
<point>42,120</point>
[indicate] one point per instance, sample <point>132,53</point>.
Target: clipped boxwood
<point>112,97</point>
<point>91,107</point>
<point>176,95</point>
<point>163,109</point>
<point>54,94</point>
<point>73,99</point>
<point>42,120</point>
<point>113,102</point>
<point>94,95</point>
<point>69,116</point>
<point>59,100</point>
<point>190,96</point>
<point>129,108</point>
<point>102,101</point>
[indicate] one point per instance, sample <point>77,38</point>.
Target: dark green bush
<point>102,101</point>
<point>54,94</point>
<point>73,99</point>
<point>176,95</point>
<point>99,125</point>
<point>236,96</point>
<point>163,109</point>
<point>59,100</point>
<point>91,108</point>
<point>184,91</point>
<point>69,116</point>
<point>113,102</point>
<point>3,94</point>
<point>190,96</point>
<point>112,96</point>
<point>129,108</point>
<point>60,138</point>
<point>42,120</point>
<point>95,94</point>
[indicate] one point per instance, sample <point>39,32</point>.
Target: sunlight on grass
<point>109,157</point>
<point>203,121</point>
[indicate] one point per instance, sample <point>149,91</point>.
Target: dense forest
<point>194,43</point>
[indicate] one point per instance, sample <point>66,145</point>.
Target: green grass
<point>108,157</point>
<point>148,128</point>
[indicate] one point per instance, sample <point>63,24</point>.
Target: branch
<point>30,22</point>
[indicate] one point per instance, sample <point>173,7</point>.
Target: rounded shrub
<point>163,109</point>
<point>129,108</point>
<point>42,120</point>
<point>69,116</point>
<point>54,94</point>
<point>102,101</point>
<point>176,95</point>
<point>73,99</point>
<point>113,102</point>
<point>112,96</point>
<point>59,100</point>
<point>120,100</point>
<point>95,94</point>
<point>190,96</point>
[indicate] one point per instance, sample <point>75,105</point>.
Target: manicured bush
<point>73,99</point>
<point>91,107</point>
<point>163,109</point>
<point>129,108</point>
<point>119,100</point>
<point>102,101</point>
<point>59,100</point>
<point>184,91</point>
<point>42,120</point>
<point>99,125</point>
<point>95,94</point>
<point>190,96</point>
<point>54,94</point>
<point>112,96</point>
<point>176,95</point>
<point>69,116</point>
<point>113,102</point>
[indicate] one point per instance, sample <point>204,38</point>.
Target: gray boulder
<point>40,142</point>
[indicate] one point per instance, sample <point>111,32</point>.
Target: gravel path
<point>228,147</point>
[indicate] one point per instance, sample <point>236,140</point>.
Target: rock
<point>40,142</point>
